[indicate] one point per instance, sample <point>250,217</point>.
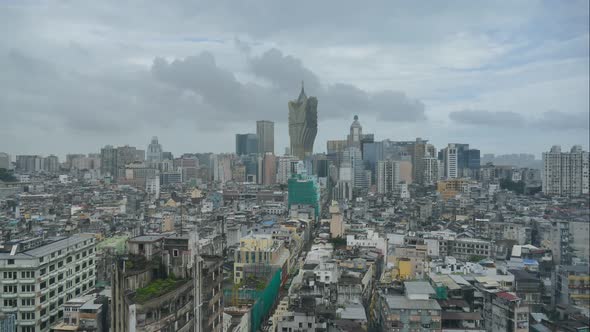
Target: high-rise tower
<point>303,124</point>
<point>356,133</point>
<point>154,151</point>
<point>265,130</point>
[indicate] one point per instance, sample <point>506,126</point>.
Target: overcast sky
<point>503,76</point>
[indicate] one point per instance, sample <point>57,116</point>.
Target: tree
<point>6,175</point>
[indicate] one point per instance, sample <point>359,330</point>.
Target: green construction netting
<point>265,302</point>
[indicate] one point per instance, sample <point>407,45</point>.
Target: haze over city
<point>507,77</point>
<point>294,166</point>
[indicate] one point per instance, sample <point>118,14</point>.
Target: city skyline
<point>493,75</point>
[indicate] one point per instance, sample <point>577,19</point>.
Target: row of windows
<point>69,259</point>
<point>57,253</point>
<point>14,275</point>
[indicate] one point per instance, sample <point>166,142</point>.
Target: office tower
<point>29,163</point>
<point>265,131</point>
<point>352,156</point>
<point>356,133</point>
<point>154,151</point>
<point>566,174</point>
<point>246,144</point>
<point>418,154</point>
<point>251,164</point>
<point>108,161</point>
<point>42,274</point>
<point>303,124</point>
<point>387,176</point>
<point>372,153</point>
<point>334,149</point>
<point>51,164</point>
<point>320,166</point>
<point>269,169</point>
<point>4,160</point>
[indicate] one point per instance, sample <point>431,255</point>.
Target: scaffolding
<point>265,302</point>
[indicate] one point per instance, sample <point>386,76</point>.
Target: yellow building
<point>452,187</point>
<point>258,250</point>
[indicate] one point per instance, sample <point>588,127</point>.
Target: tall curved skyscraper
<point>303,124</point>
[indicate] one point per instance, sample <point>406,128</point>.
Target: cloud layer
<point>77,76</point>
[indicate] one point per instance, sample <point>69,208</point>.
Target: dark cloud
<point>335,100</point>
<point>555,120</point>
<point>488,118</point>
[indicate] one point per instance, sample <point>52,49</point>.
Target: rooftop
<point>402,302</point>
<point>418,287</point>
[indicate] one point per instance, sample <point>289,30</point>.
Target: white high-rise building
<point>154,151</point>
<point>387,176</point>
<point>566,173</point>
<point>430,167</point>
<point>451,160</point>
<point>221,168</point>
<point>287,165</point>
<point>38,276</point>
<point>152,186</point>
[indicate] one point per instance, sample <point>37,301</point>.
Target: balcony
<point>26,294</point>
<point>9,281</point>
<point>26,322</point>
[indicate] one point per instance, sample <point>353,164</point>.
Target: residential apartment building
<point>566,173</point>
<point>388,176</point>
<point>413,311</point>
<point>39,276</point>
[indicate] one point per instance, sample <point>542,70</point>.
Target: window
<point>175,252</point>
<point>28,302</point>
<point>10,289</point>
<point>10,262</point>
<point>27,274</point>
<point>69,259</point>
<point>10,303</point>
<point>51,267</point>
<point>27,288</point>
<point>27,315</point>
<point>43,285</point>
<point>43,271</point>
